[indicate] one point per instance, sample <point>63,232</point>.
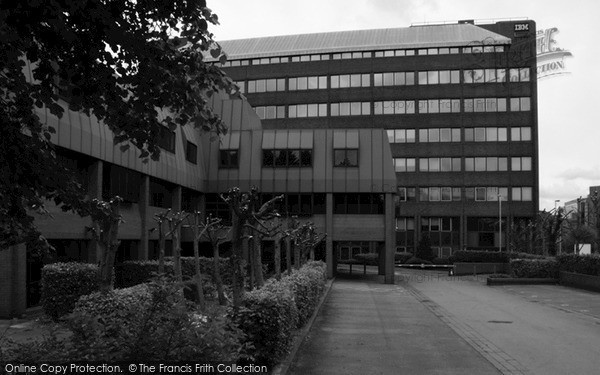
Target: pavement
<point>431,323</point>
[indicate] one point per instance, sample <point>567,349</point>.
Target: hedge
<point>588,264</point>
<point>64,283</point>
<point>482,256</point>
<point>134,272</point>
<point>415,260</point>
<point>371,259</point>
<point>269,316</point>
<point>402,257</point>
<point>534,268</point>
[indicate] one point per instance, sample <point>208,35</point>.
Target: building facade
<point>458,103</point>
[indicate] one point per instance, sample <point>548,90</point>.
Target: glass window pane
<point>423,135</point>
<point>344,81</point>
<point>516,194</point>
<point>388,107</point>
<point>479,105</point>
<point>456,135</point>
<point>422,106</point>
<point>334,110</point>
<point>355,108</point>
<point>434,135</point>
<point>312,110</point>
<point>526,163</point>
<point>302,110</point>
<point>423,165</point>
<point>446,194</point>
<point>292,111</point>
<point>480,164</point>
<point>469,135</point>
<point>501,104</point>
<point>490,105</point>
<point>305,158</point>
<point>335,82</point>
<point>366,80</point>
<point>456,167</point>
<point>527,194</point>
<point>526,134</point>
<point>434,164</point>
<point>492,134</point>
<point>524,74</point>
<point>502,134</point>
<point>480,194</point>
<point>479,134</point>
<point>410,135</point>
<point>366,108</point>
<point>313,83</point>
<point>433,106</point>
<point>322,110</point>
<point>410,78</point>
<point>355,80</point>
<point>492,164</point>
<point>445,106</point>
<point>444,76</point>
<point>345,109</point>
<point>271,85</point>
<point>422,78</point>
<point>434,194</point>
<point>468,105</point>
<point>433,78</point>
<point>377,79</point>
<point>525,104</point>
<point>270,113</point>
<point>502,164</point>
<point>478,76</point>
<point>500,75</point>
<point>490,75</point>
<point>515,164</point>
<point>445,135</point>
<point>446,165</point>
<point>515,134</point>
<point>293,158</point>
<point>399,79</point>
<point>388,79</point>
<point>409,105</point>
<point>469,164</point>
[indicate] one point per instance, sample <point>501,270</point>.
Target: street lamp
<point>499,222</point>
<point>559,228</point>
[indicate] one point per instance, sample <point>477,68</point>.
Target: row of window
<point>432,77</point>
<point>286,158</point>
<point>365,55</point>
<point>475,164</point>
<point>166,141</point>
<point>488,134</point>
<point>453,194</point>
<point>390,107</point>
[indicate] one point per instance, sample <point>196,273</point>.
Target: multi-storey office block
<point>458,103</point>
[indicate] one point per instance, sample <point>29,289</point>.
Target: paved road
<point>366,327</point>
<point>520,329</point>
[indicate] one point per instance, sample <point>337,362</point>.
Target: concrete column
<point>13,272</point>
<point>331,264</point>
<point>390,240</point>
<point>95,191</point>
<point>145,221</point>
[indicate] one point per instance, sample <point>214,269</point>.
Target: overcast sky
<point>568,105</point>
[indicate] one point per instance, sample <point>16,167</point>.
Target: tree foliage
<point>121,61</point>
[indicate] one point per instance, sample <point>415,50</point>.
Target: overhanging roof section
<point>363,40</point>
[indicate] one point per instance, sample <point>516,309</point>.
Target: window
<point>439,135</point>
<point>161,193</point>
<point>405,224</point>
<point>394,79</point>
<point>270,112</point>
<point>350,80</point>
<point>439,77</point>
<point>120,181</point>
<point>287,158</point>
<point>401,135</point>
<point>524,194</point>
<point>307,83</point>
<point>391,107</point>
<point>228,158</point>
<point>485,105</point>
<point>345,158</point>
<point>405,164</point>
<point>439,106</point>
<point>353,203</point>
<point>166,139</point>
<point>521,163</point>
<point>520,134</point>
<point>350,109</point>
<point>486,164</point>
<point>407,194</point>
<point>191,152</point>
<point>520,104</point>
<point>439,165</point>
<point>307,110</point>
<point>491,134</point>
<point>486,194</point>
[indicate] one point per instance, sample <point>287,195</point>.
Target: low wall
<point>520,281</point>
<point>478,268</point>
<point>579,280</point>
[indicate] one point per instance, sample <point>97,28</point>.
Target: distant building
<point>458,103</point>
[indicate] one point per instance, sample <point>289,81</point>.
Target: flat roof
<point>453,35</point>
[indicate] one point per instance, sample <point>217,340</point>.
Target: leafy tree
<point>122,61</point>
<point>424,250</point>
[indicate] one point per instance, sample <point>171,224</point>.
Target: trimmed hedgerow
<point>478,256</point>
<point>402,257</point>
<point>135,272</point>
<point>267,317</point>
<point>441,261</point>
<point>307,285</point>
<point>415,260</point>
<point>588,264</point>
<point>371,259</point>
<point>64,283</point>
<point>534,268</point>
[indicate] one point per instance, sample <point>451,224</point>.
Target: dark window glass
<point>306,204</point>
<point>268,158</point>
<point>352,201</point>
<point>305,158</point>
<point>191,152</point>
<point>319,203</point>
<point>120,181</point>
<point>346,158</point>
<point>293,204</point>
<point>166,139</point>
<point>228,159</point>
<point>280,158</point>
<point>366,206</point>
<point>161,193</point>
<point>293,158</point>
<point>339,203</point>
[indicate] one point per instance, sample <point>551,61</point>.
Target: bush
<point>402,257</point>
<point>307,285</point>
<point>424,250</point>
<point>584,264</point>
<point>478,256</point>
<point>150,321</point>
<point>516,255</point>
<point>441,261</point>
<point>134,272</point>
<point>415,260</point>
<point>267,317</point>
<point>371,259</point>
<point>64,283</point>
<point>534,268</point>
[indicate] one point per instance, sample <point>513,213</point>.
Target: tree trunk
<point>312,253</point>
<point>177,255</point>
<point>217,274</point>
<point>277,257</point>
<point>199,289</point>
<point>288,256</point>
<point>161,248</point>
<point>258,273</point>
<point>251,262</point>
<point>237,261</point>
<point>297,255</point>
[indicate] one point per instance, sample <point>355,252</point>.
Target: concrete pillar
<point>331,266</point>
<point>13,273</point>
<point>390,238</point>
<point>95,191</point>
<point>145,221</point>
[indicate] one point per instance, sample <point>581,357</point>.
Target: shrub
<point>151,321</point>
<point>307,285</point>
<point>534,268</point>
<point>64,283</point>
<point>371,259</point>
<point>584,264</point>
<point>478,256</point>
<point>415,260</point>
<point>441,261</point>
<point>267,317</point>
<point>516,255</point>
<point>424,250</point>
<point>402,257</point>
<point>135,272</point>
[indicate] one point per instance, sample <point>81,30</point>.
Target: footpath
<point>366,327</point>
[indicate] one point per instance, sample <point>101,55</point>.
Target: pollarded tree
<point>116,60</point>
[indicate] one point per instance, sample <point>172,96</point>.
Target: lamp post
<point>559,228</point>
<point>499,222</point>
